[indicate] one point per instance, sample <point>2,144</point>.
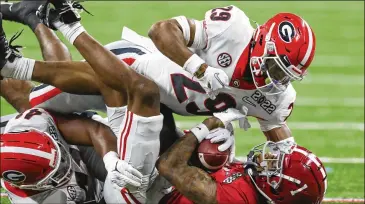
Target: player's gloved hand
<point>213,81</point>
<point>232,114</point>
<point>225,135</point>
<point>121,172</point>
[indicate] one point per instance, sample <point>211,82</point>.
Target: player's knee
<point>146,91</point>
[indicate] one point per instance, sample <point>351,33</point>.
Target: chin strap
<point>250,169</point>
<point>250,173</point>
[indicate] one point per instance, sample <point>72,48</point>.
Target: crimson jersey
<point>232,187</point>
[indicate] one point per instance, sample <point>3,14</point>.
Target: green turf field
<point>328,117</point>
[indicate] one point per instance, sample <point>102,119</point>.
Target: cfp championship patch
<point>224,59</point>
<point>14,176</point>
<point>286,31</point>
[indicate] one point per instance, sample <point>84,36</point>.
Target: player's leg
<point>138,141</point>
<point>16,92</point>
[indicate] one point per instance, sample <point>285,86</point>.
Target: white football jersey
<point>228,34</point>
<point>76,190</point>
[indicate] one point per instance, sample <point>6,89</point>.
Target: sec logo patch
<point>224,59</point>
<point>14,176</point>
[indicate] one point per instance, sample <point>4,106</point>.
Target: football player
<point>38,164</point>
<point>138,132</point>
<point>221,50</point>
<point>275,172</point>
<point>280,172</point>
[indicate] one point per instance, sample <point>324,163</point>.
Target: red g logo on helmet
<point>286,31</point>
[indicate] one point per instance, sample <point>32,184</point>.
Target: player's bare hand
<point>121,173</point>
<point>213,81</point>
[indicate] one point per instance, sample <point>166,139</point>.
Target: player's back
<point>233,186</point>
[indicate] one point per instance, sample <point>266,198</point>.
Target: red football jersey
<point>232,187</point>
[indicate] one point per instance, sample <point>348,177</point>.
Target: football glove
<point>213,81</point>
<point>121,173</point>
<point>225,135</point>
<point>232,114</point>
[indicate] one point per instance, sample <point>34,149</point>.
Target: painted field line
<point>296,125</point>
<point>343,200</point>
<point>331,160</point>
<point>333,79</point>
<point>333,61</point>
<point>328,102</point>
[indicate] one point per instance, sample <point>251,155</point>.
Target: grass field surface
<point>328,117</point>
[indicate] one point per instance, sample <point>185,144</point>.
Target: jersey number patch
<point>221,14</point>
<point>221,103</point>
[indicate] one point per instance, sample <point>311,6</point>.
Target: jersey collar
<point>241,77</point>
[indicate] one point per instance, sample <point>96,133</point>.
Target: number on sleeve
<point>221,14</point>
<point>221,103</point>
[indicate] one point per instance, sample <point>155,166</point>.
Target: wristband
<point>193,64</point>
<point>200,132</point>
<point>109,160</point>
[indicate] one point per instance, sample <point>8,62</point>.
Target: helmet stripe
<point>312,157</point>
<point>22,150</point>
<point>310,46</point>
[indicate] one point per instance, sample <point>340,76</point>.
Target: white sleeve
<point>216,21</point>
<point>200,39</point>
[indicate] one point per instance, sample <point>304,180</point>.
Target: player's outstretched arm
<point>173,37</point>
<point>168,36</point>
<point>194,183</point>
<point>79,130</point>
<point>278,134</point>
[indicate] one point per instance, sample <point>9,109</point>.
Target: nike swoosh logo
<point>218,79</point>
<point>10,7</point>
<point>246,100</point>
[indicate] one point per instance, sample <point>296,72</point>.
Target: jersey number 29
<point>221,103</point>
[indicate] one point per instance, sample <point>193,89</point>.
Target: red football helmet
<point>283,49</point>
<point>33,160</point>
<point>287,173</point>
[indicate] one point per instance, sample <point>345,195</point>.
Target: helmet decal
<point>286,31</point>
<point>14,176</point>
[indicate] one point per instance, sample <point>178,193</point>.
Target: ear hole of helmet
<point>260,41</point>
